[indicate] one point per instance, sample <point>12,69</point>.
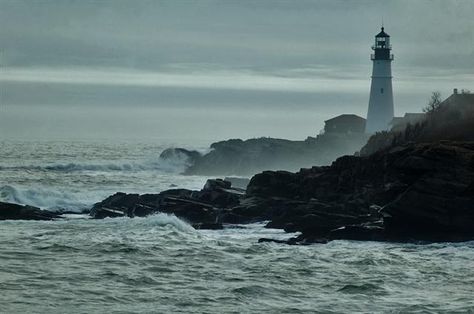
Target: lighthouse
<point>380,112</point>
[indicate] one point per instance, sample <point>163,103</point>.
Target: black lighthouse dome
<point>382,33</point>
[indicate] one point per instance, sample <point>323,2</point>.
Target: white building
<point>380,112</point>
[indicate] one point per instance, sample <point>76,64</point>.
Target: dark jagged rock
<point>205,209</point>
<point>362,232</point>
<point>218,184</point>
<point>238,182</point>
<point>441,200</point>
<point>291,241</point>
<point>412,192</point>
<point>9,211</point>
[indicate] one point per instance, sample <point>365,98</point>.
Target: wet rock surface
<point>9,211</point>
<point>414,192</point>
<point>205,209</point>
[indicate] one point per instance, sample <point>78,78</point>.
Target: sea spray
<point>73,176</point>
<point>177,165</point>
<point>42,197</point>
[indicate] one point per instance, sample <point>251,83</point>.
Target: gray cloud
<point>275,56</point>
<point>235,33</point>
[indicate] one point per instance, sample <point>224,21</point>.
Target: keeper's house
<point>345,124</point>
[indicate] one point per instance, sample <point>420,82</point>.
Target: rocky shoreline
<point>412,192</point>
<point>10,211</point>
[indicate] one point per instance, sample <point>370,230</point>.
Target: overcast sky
<point>217,69</point>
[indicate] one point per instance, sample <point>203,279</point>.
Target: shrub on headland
<point>451,119</point>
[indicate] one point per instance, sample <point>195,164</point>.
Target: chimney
<point>455,91</point>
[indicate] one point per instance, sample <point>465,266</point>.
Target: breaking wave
<point>46,198</point>
<point>158,220</point>
<point>175,165</point>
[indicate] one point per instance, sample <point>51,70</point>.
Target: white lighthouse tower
<point>380,112</point>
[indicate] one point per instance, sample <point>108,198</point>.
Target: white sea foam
<point>161,219</point>
<point>176,165</point>
<point>45,198</point>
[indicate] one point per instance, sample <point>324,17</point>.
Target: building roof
<point>461,99</point>
<point>345,117</point>
<point>382,34</point>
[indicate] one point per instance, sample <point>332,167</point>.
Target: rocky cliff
<point>246,158</point>
<point>414,191</point>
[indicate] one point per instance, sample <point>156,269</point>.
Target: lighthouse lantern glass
<point>382,42</point>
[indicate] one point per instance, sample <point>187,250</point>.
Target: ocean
<point>160,264</point>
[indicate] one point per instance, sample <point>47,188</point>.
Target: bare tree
<point>433,103</point>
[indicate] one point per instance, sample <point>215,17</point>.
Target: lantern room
<point>382,47</point>
<point>382,40</point>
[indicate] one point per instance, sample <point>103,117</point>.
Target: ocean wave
<point>175,165</point>
<point>365,288</point>
<point>45,198</point>
<point>161,220</point>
